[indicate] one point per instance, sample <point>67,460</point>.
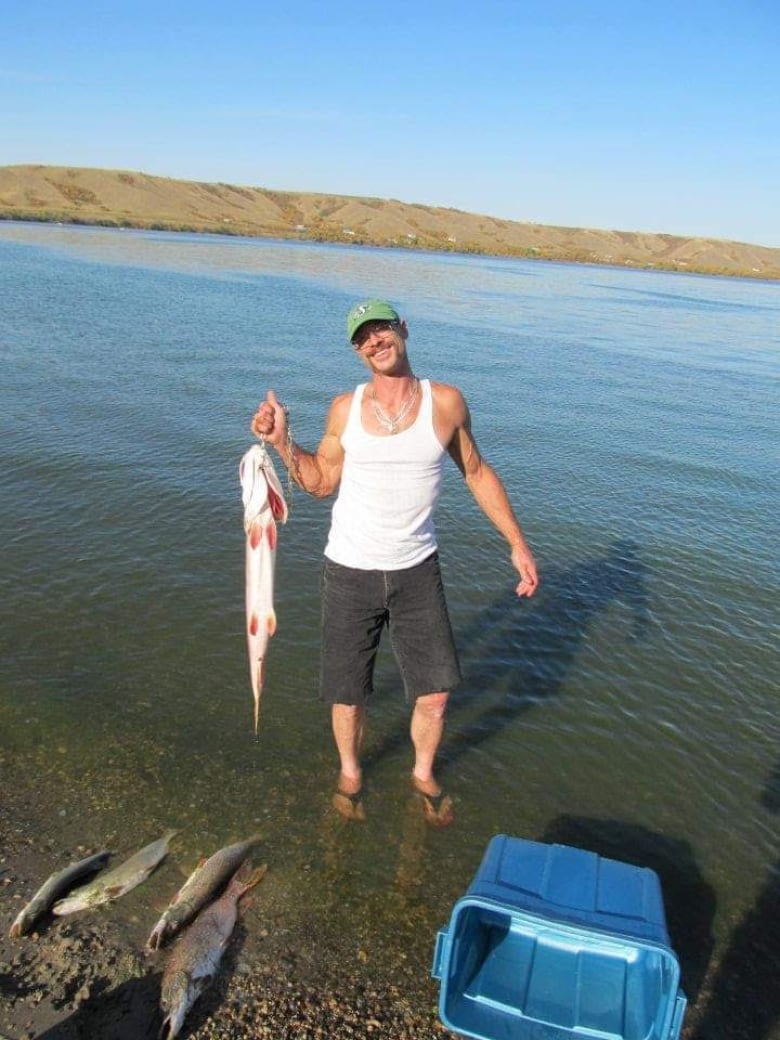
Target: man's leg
<point>353,617</point>
<point>348,722</point>
<point>427,730</point>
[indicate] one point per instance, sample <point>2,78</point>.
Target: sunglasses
<point>365,332</point>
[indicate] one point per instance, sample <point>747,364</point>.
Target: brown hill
<point>119,198</point>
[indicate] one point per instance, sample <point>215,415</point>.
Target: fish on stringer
<point>264,506</point>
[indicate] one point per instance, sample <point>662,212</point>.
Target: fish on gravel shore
<point>199,888</point>
<point>54,887</point>
<point>114,883</point>
<point>264,504</point>
<point>195,957</point>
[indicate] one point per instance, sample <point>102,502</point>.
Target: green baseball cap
<point>369,310</point>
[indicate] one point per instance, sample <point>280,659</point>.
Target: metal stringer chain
<point>291,456</point>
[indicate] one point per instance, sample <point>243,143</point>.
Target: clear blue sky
<point>643,115</point>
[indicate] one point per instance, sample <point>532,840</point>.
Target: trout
<point>114,883</point>
<point>198,889</point>
<point>56,885</point>
<point>264,505</point>
<point>194,959</point>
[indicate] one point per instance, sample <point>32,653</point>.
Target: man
<point>383,449</point>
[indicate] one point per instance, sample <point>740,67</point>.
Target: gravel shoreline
<point>287,974</point>
<point>87,976</point>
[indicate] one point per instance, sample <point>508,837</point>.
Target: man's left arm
<point>485,484</point>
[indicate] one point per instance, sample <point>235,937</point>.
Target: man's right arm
<point>318,473</point>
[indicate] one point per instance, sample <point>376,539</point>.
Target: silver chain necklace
<point>392,422</point>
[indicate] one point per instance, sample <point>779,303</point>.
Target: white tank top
<point>383,516</point>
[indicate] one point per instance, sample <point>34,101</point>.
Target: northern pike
<point>114,883</point>
<point>56,885</point>
<point>198,889</point>
<point>264,505</point>
<point>194,959</point>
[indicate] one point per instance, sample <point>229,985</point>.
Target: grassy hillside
<point>119,198</point>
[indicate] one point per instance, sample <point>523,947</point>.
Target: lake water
<point>630,707</point>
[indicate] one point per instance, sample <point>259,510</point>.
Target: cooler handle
<point>677,1017</point>
<point>438,953</point>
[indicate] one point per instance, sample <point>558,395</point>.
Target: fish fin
<point>255,535</point>
<point>254,624</point>
<point>271,623</point>
<point>270,534</point>
<point>278,505</point>
<point>276,498</point>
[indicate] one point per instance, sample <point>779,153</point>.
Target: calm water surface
<point>631,707</point>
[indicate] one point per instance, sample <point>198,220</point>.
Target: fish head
<point>254,483</point>
<point>177,996</point>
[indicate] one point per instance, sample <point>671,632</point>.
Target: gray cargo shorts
<point>356,606</point>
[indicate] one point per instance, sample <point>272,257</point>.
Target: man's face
<point>381,344</point>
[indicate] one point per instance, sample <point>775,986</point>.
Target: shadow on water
<point>689,901</point>
<point>744,992</point>
<point>770,796</point>
<point>523,655</point>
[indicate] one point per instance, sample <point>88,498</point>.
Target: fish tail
<point>244,901</point>
<point>245,878</point>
